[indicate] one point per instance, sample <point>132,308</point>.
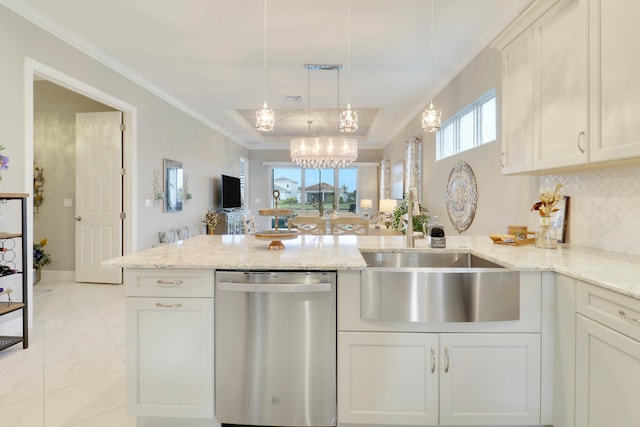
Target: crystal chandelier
<point>431,118</point>
<point>265,119</point>
<point>322,151</point>
<point>349,115</point>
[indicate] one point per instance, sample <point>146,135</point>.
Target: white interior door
<point>98,195</point>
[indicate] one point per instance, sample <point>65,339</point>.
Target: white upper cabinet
<point>615,88</point>
<point>583,107</point>
<point>517,111</point>
<point>561,87</point>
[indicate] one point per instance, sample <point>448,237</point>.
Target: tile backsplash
<point>604,208</point>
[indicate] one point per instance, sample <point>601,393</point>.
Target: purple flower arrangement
<point>4,161</point>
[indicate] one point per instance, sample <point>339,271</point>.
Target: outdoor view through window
<point>308,189</point>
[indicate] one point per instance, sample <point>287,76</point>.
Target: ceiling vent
<point>293,98</point>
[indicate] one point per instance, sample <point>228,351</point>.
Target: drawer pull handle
<point>168,305</point>
<point>626,316</point>
<point>446,359</point>
<point>433,359</point>
<point>169,284</point>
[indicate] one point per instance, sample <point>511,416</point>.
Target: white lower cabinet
<point>431,379</point>
<point>170,357</point>
<point>489,379</point>
<point>387,378</point>
<point>607,358</point>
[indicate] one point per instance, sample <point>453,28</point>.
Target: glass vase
<point>546,234</point>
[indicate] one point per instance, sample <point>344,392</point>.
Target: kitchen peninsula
<point>568,295</point>
<point>616,271</point>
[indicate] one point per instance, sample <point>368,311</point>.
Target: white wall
<point>503,200</point>
<point>162,130</point>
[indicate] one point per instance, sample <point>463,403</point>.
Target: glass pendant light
<point>431,118</point>
<point>265,119</point>
<point>322,151</point>
<point>349,115</point>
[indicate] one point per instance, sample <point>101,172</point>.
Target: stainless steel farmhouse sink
<point>426,259</point>
<point>437,287</point>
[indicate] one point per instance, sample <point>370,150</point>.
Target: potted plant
<point>40,259</point>
<point>419,221</point>
<point>211,221</point>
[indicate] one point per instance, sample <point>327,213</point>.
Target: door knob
<point>78,218</point>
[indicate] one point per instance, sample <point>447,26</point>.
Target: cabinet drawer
<point>612,309</point>
<point>169,283</point>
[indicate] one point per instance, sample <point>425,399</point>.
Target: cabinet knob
<point>501,159</point>
<point>78,218</point>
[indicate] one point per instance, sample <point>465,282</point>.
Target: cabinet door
<point>561,86</point>
<point>489,379</point>
<point>170,357</point>
<point>607,377</point>
<point>615,88</point>
<point>387,378</point>
<point>517,105</point>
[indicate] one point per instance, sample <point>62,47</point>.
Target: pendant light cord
<point>264,40</point>
<point>338,70</point>
<point>349,54</point>
<point>431,49</point>
<point>309,121</point>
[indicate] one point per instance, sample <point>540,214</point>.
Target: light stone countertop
<point>611,270</point>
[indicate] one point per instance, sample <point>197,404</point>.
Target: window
<point>447,140</point>
<point>466,130</point>
<point>472,126</point>
<point>488,120</point>
<point>319,188</point>
<point>303,189</point>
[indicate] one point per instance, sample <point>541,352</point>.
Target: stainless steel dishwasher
<point>275,341</point>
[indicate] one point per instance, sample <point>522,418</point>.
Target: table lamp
<point>387,206</point>
<point>366,205</point>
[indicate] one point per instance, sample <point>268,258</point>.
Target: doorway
<point>86,99</point>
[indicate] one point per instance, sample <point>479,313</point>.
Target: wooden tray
<point>510,239</point>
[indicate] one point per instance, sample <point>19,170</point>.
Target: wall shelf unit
<point>12,256</point>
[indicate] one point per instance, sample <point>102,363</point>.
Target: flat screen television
<point>231,196</point>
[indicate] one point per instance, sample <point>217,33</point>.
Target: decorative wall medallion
<point>462,196</point>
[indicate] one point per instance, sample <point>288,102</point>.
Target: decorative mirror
<point>173,186</point>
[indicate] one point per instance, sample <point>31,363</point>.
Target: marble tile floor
<point>73,373</point>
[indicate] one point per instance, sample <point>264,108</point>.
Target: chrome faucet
<point>410,208</point>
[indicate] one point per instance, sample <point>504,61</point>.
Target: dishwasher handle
<point>274,287</point>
